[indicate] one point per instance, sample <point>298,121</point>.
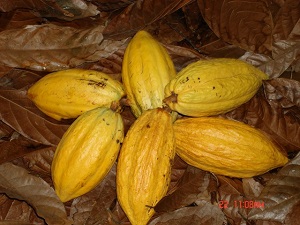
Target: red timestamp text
<point>245,204</point>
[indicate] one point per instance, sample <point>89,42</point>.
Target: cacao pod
<point>226,147</point>
<point>86,152</point>
<point>144,164</point>
<point>211,87</point>
<point>146,69</point>
<point>68,93</point>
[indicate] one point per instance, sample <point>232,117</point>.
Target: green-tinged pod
<point>212,87</point>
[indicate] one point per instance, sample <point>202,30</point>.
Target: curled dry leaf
<point>283,93</point>
<point>66,10</point>
<point>284,54</point>
<point>51,47</point>
<point>17,183</point>
<point>280,194</point>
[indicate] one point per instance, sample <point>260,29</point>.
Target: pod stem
<point>171,99</point>
<point>116,106</point>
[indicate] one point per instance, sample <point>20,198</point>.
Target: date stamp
<point>246,204</point>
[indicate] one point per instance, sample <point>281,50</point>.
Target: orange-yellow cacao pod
<point>144,165</point>
<point>226,147</point>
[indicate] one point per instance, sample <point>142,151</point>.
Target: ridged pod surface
<point>211,87</point>
<point>86,152</point>
<point>226,147</point>
<point>147,68</point>
<point>144,165</point>
<point>69,93</point>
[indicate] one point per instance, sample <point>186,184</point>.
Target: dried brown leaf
<point>17,183</point>
<point>284,54</point>
<point>287,21</point>
<point>15,147</point>
<point>111,5</point>
<point>66,10</point>
<point>140,14</point>
<point>18,79</point>
<point>178,169</point>
<point>5,131</point>
<point>21,114</point>
<point>267,222</point>
<point>246,24</point>
<point>281,194</point>
<point>284,93</point>
<point>38,162</point>
<point>203,214</point>
<point>19,18</point>
<point>293,216</point>
<point>230,192</point>
<point>251,187</point>
<point>52,47</point>
<point>15,212</point>
<point>183,56</point>
<point>193,186</point>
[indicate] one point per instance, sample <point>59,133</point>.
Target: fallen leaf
<point>17,183</point>
<point>246,24</point>
<point>16,148</point>
<point>203,214</point>
<point>280,194</point>
<point>21,114</point>
<point>287,21</point>
<point>284,54</point>
<point>67,10</point>
<point>230,192</point>
<point>50,47</point>
<point>194,185</point>
<point>15,212</point>
<point>138,15</point>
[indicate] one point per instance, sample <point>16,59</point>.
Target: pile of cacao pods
<point>176,113</point>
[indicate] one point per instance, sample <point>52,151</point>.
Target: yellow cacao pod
<point>147,68</point>
<point>86,152</point>
<point>226,147</point>
<point>211,87</point>
<point>144,165</point>
<point>68,93</point>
